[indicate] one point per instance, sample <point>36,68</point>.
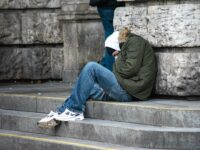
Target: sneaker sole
<point>47,125</point>
<point>68,119</point>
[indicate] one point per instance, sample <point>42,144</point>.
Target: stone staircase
<point>153,124</point>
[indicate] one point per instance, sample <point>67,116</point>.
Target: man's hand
<point>115,53</point>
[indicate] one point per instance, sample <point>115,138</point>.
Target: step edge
<point>58,140</point>
<point>108,103</point>
<point>107,123</point>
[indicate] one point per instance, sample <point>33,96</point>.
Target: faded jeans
<point>95,82</point>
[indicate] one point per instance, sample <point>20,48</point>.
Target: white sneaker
<point>48,121</point>
<point>68,115</point>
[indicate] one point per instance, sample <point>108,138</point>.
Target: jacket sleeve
<point>130,64</point>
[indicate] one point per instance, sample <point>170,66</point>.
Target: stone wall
<point>48,39</point>
<point>173,28</point>
<point>31,43</point>
<point>53,39</point>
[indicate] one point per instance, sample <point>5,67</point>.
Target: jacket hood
<point>123,35</point>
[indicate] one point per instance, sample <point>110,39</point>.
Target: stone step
<point>127,134</point>
<point>15,140</point>
<point>159,112</point>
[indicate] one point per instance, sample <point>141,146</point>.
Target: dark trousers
<point>107,15</point>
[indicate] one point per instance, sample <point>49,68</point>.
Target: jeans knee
<point>91,65</point>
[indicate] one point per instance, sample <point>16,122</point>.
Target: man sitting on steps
<point>132,78</point>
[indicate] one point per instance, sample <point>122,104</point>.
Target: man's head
<point>115,41</point>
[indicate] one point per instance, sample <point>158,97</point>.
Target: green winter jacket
<point>135,67</point>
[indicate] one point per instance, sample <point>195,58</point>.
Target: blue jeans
<point>107,15</point>
<point>98,83</point>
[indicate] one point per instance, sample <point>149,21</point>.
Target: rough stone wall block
<point>178,74</point>
<point>132,17</point>
<point>174,25</point>
<point>20,4</point>
<point>77,6</point>
<point>57,63</point>
<point>10,28</point>
<point>42,63</point>
<point>10,63</point>
<point>31,63</point>
<point>41,28</point>
<point>163,25</point>
<point>36,63</point>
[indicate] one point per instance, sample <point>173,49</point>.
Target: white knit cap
<point>112,41</point>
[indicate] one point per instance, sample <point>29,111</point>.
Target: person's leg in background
<point>107,15</point>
